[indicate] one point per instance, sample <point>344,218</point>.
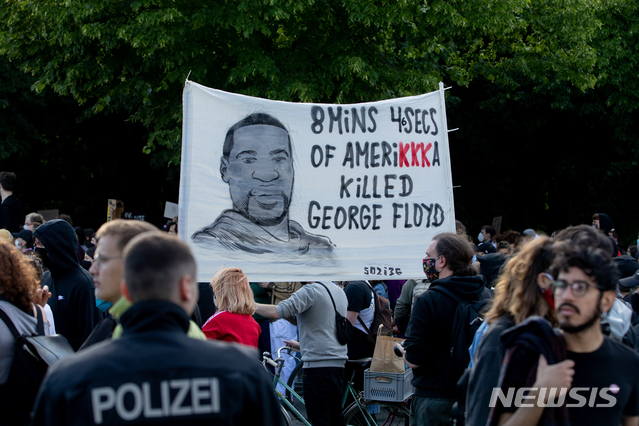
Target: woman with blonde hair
<point>523,290</point>
<point>233,321</point>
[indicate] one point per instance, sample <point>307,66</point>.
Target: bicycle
<point>361,412</point>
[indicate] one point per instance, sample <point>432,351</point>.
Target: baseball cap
<point>630,282</point>
<point>26,235</point>
<point>626,265</point>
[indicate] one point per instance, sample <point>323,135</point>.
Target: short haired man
<point>430,330</point>
<point>32,221</point>
<point>155,374</point>
<point>617,321</point>
<point>487,245</point>
<point>600,376</point>
<point>323,356</point>
<point>257,164</point>
<point>106,270</point>
<point>73,300</point>
<point>10,208</point>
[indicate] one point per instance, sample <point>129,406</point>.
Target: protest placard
<point>298,192</point>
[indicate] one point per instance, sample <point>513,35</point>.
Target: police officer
<point>154,373</point>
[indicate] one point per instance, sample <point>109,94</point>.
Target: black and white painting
<point>257,165</point>
<point>296,192</point>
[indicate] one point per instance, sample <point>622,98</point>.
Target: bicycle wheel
<point>286,416</point>
<point>387,414</point>
<point>295,382</point>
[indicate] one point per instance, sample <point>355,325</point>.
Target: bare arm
<point>411,365</point>
<point>294,344</point>
<point>352,316</point>
<point>630,421</point>
<point>267,311</point>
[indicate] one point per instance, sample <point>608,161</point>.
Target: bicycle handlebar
<point>269,361</point>
<point>278,362</point>
<point>287,350</point>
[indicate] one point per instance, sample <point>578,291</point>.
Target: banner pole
<point>442,100</point>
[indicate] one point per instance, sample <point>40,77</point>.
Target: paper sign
<point>170,210</point>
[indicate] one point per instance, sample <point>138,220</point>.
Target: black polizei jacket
<point>155,374</point>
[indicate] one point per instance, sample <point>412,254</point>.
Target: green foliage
<point>134,56</point>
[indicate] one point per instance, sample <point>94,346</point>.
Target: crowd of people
<point>519,328</point>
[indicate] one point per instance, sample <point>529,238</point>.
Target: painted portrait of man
<point>257,165</point>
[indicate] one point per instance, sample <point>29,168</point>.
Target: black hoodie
<point>11,214</point>
<point>429,334</point>
<point>73,300</point>
<point>606,225</point>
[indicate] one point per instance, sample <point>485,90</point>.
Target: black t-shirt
<point>359,296</point>
<point>605,386</point>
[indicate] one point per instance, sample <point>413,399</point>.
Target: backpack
<point>420,287</point>
<point>32,357</point>
<point>469,315</point>
<point>343,328</point>
<point>383,316</point>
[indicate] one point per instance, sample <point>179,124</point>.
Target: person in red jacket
<point>233,321</point>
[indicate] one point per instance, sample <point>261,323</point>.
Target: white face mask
<point>18,244</point>
<point>25,226</point>
<point>480,237</point>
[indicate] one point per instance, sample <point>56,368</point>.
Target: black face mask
<point>86,264</point>
<point>44,256</point>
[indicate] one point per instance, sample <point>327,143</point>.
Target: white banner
<point>299,192</point>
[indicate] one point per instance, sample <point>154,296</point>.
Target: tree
<point>134,56</point>
<point>545,93</point>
